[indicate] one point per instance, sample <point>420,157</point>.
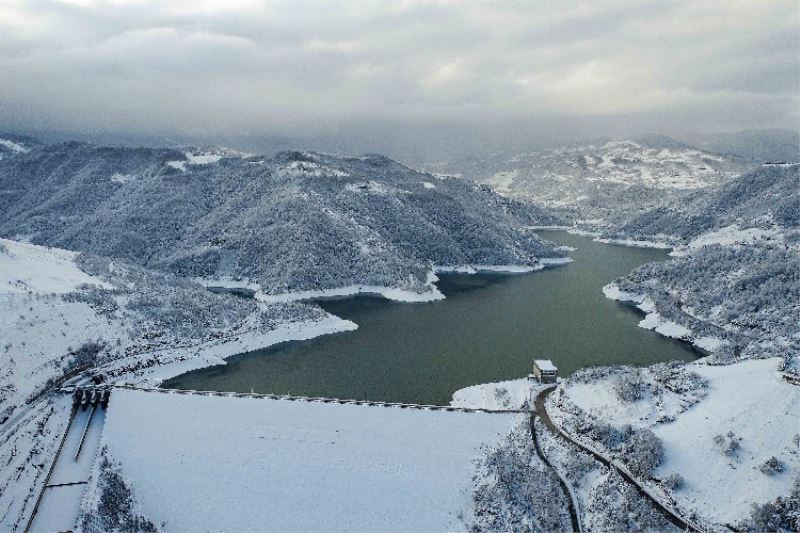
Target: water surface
<point>489,328</point>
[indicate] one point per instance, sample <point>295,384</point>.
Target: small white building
<point>545,371</point>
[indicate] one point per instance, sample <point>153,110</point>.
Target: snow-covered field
<point>26,268</point>
<point>749,399</point>
<point>502,395</point>
<point>763,411</point>
<point>259,464</point>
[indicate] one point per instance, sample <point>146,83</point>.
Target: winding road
<point>667,512</point>
<point>571,502</point>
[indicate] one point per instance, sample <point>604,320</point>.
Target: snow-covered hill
<point>603,183</point>
<point>61,314</point>
<point>616,162</point>
<point>767,198</point>
<point>734,285</point>
<point>696,411</point>
<point>295,222</point>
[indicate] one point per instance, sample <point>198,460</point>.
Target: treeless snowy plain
<point>234,464</point>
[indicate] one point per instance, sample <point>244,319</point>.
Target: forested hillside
<point>298,221</point>
<point>763,198</point>
<point>736,277</point>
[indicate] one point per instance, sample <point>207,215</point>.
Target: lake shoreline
<point>388,358</point>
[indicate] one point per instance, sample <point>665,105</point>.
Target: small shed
<point>545,371</point>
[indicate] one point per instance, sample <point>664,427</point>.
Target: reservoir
<point>489,328</point>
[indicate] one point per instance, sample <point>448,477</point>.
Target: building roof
<point>545,365</point>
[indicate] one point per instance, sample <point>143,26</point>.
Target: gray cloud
<point>304,67</point>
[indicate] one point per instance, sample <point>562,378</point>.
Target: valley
<point>370,281</point>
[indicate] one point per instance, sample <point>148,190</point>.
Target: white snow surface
<point>258,464</point>
<point>510,394</point>
<point>545,364</point>
<point>635,243</point>
<point>178,165</point>
<point>203,158</point>
<point>732,235</point>
<point>390,293</point>
<point>748,398</point>
<point>28,268</point>
<point>542,263</point>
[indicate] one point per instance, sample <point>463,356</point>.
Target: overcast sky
<point>306,68</point>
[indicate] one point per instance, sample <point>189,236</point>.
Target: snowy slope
<point>748,398</point>
<point>119,322</point>
<point>258,464</point>
<point>763,411</point>
<point>760,204</point>
<point>38,328</point>
<point>28,268</point>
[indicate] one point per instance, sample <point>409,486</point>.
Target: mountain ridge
<point>298,221</point>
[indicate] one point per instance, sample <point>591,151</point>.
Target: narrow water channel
<point>489,328</point>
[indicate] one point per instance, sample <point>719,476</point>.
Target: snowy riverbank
<point>655,322</point>
<point>390,293</point>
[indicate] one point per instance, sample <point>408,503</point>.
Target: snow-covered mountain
<point>734,286</point>
<point>294,222</point>
<point>765,198</point>
<point>604,182</point>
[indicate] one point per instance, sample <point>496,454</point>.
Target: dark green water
<point>489,328</point>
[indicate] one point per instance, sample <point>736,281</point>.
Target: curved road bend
<point>572,505</point>
<point>668,513</point>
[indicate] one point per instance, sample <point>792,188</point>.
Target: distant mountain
<point>760,146</point>
<point>608,182</point>
<point>298,221</point>
<point>766,197</point>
